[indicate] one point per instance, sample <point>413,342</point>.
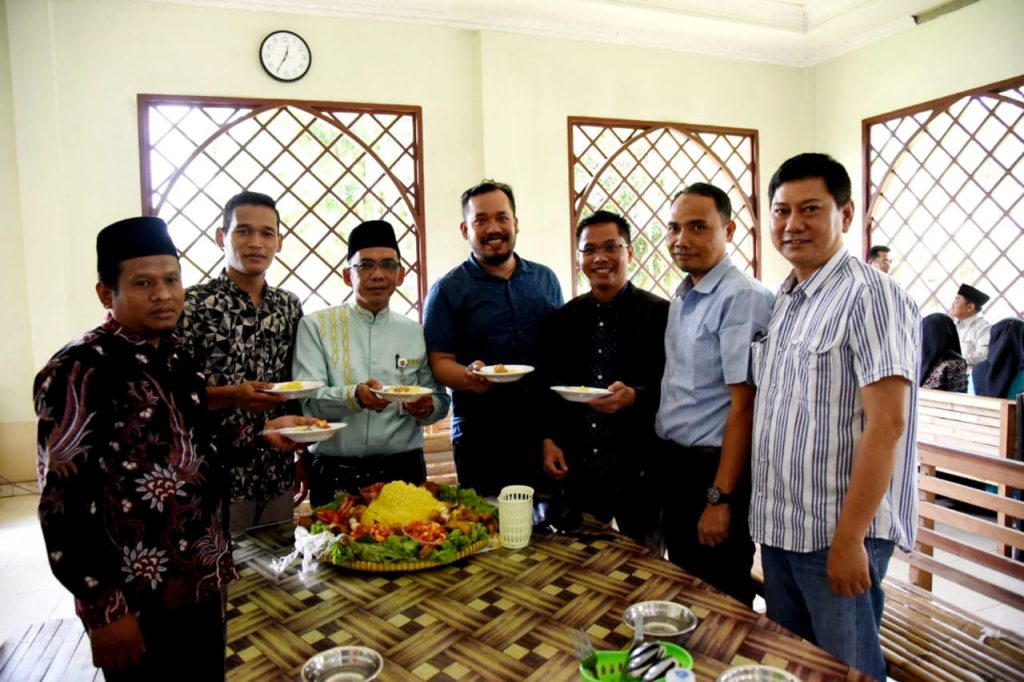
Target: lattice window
<point>329,166</point>
<point>635,167</point>
<point>945,189</point>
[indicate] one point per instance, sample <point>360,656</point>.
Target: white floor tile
<point>1004,616</point>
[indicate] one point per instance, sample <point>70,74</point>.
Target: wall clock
<point>285,56</point>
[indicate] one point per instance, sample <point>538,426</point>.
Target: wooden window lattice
<point>945,190</point>
<point>329,166</point>
<point>635,168</point>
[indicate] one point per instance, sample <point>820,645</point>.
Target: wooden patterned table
<point>500,615</point>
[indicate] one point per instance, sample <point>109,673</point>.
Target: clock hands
<point>284,58</point>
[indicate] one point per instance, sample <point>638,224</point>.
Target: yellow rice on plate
<point>399,503</point>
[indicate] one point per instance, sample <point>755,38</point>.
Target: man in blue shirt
<point>488,311</point>
<point>707,404</point>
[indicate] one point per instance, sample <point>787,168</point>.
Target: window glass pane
<point>328,169</point>
<point>648,165</point>
<point>947,192</point>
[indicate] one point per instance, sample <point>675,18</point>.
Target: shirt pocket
<point>817,365</point>
<point>705,365</point>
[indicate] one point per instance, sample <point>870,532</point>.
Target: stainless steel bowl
<point>343,664</point>
<point>662,619</point>
<point>757,673</point>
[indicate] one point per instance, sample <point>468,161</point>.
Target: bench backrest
<point>973,437</point>
<point>969,423</point>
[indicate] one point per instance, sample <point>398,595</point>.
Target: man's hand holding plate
<point>622,397</point>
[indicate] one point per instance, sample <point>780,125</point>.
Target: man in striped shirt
<point>833,461</point>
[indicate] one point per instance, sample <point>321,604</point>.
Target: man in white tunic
<point>355,349</point>
<point>971,325</point>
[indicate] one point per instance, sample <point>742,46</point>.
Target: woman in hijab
<point>942,365</point>
<point>1001,375</point>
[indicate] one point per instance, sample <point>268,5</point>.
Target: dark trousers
<point>329,475</point>
<point>183,644</point>
<point>489,461</point>
<point>686,475</point>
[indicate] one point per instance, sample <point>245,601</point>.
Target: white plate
<point>389,393</point>
<point>580,394</point>
<point>757,673</point>
<point>307,388</point>
<point>310,434</point>
<point>513,373</point>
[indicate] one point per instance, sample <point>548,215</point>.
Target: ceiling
<point>791,32</point>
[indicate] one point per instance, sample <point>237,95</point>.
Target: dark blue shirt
<point>478,316</point>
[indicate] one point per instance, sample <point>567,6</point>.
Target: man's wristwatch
<point>718,496</point>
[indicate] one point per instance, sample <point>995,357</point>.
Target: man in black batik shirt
<point>132,485</point>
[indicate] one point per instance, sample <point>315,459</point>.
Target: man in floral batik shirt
<point>132,486</point>
<point>241,332</point>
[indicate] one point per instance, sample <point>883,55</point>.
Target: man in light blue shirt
<point>354,349</point>
<point>707,404</point>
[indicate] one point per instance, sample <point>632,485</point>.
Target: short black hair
<point>704,189</point>
<point>248,199</point>
<point>813,165</point>
<point>602,216</point>
<point>876,251</point>
<point>486,187</point>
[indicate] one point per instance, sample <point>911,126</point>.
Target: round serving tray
<point>403,566</point>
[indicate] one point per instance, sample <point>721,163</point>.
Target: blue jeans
<point>799,598</point>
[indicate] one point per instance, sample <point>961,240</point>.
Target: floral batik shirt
<point>132,491</point>
<point>233,341</point>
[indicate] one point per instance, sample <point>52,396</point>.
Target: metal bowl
<point>662,619</point>
<point>343,664</point>
<point>757,673</point>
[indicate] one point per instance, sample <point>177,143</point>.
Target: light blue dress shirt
<point>707,348</point>
<point>347,345</point>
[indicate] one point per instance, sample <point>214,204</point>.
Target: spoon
<point>638,641</point>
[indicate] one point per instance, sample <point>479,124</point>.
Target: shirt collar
<point>708,282</point>
<point>819,277</point>
<point>478,272</point>
<point>968,321</point>
<point>233,288</point>
<point>370,318</point>
<point>612,303</point>
<point>115,328</point>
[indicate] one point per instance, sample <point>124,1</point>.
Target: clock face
<point>285,56</point>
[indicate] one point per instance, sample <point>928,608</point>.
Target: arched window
<point>945,190</point>
<point>635,168</point>
<point>330,166</point>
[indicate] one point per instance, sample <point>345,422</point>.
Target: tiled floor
<point>30,593</point>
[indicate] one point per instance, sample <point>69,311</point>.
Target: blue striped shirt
<point>707,348</point>
<point>844,327</point>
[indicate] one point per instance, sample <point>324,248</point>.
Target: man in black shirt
<point>610,337</point>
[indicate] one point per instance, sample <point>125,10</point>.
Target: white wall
<point>494,104</point>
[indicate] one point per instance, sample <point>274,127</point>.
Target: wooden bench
<point>926,638</point>
<point>437,451</point>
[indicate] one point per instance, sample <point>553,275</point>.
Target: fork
<point>585,652</point>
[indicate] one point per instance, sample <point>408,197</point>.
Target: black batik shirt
<point>234,341</point>
<point>132,487</point>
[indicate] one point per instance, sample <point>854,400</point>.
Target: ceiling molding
<point>796,33</point>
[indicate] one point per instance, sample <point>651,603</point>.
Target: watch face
<point>285,56</point>
<point>714,494</point>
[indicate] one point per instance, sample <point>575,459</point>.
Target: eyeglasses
<point>365,267</point>
<point>607,249</point>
